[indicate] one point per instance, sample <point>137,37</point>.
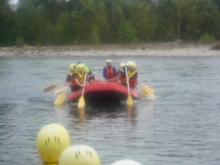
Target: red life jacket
<point>109,72</point>
<point>133,82</point>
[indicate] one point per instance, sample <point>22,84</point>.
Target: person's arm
<point>68,80</point>
<point>76,79</point>
<point>78,83</point>
<point>104,73</point>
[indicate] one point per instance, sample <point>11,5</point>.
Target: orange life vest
<point>110,72</point>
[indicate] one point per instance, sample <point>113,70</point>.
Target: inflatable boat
<point>102,91</point>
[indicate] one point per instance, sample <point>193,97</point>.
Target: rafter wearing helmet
<point>132,73</point>
<point>109,71</point>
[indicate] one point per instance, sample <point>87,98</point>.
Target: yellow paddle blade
<point>152,96</point>
<point>147,92</point>
<point>144,93</point>
<point>129,101</point>
<point>147,89</point>
<point>60,99</point>
<point>47,89</point>
<point>60,90</point>
<point>81,103</point>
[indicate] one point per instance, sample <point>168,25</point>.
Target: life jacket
<point>109,72</point>
<point>80,78</point>
<point>132,81</point>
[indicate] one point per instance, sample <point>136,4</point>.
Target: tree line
<point>69,22</point>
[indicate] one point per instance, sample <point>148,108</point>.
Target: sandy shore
<point>154,50</point>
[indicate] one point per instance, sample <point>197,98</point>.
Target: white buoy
<point>52,139</point>
<point>126,162</point>
<point>79,155</point>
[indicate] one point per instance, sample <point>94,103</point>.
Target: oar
<point>81,103</point>
<point>146,88</point>
<point>60,90</point>
<point>151,95</point>
<point>148,93</point>
<point>49,88</point>
<point>140,93</point>
<point>60,99</point>
<point>129,99</point>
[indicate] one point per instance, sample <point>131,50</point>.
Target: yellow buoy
<point>126,162</point>
<point>52,139</point>
<point>79,155</point>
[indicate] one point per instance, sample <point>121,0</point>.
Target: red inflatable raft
<point>102,91</point>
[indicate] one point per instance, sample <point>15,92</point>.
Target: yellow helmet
<point>109,61</point>
<point>79,67</point>
<point>131,65</point>
<point>72,67</point>
<point>128,62</point>
<point>122,65</point>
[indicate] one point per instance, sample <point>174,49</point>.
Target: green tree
<point>28,23</point>
<point>64,29</point>
<point>142,21</point>
<point>95,34</point>
<point>127,33</point>
<point>47,34</point>
<point>86,21</point>
<point>101,20</point>
<point>6,24</point>
<point>165,24</point>
<point>116,20</point>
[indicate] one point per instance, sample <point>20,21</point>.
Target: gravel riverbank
<point>161,49</point>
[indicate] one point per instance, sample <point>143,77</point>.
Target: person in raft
<point>132,74</point>
<point>77,79</point>
<point>90,76</point>
<point>70,74</point>
<point>109,72</point>
<point>121,75</point>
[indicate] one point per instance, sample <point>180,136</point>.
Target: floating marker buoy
<point>126,162</point>
<point>52,139</point>
<point>79,155</point>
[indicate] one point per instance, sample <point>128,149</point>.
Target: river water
<point>181,126</point>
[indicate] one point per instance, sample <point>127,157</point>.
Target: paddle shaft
<point>84,84</point>
<point>127,81</point>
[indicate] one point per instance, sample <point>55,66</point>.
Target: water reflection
<point>75,111</point>
<point>131,112</point>
<point>108,111</point>
<point>149,109</point>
